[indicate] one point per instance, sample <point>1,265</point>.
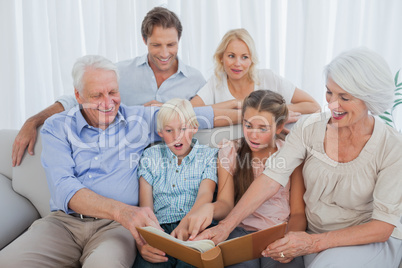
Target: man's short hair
<point>160,16</point>
<point>90,62</point>
<point>176,109</point>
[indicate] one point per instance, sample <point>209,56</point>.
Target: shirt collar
<point>143,60</point>
<point>81,122</point>
<point>182,68</point>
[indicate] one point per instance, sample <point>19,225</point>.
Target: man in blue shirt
<point>153,78</point>
<point>90,155</point>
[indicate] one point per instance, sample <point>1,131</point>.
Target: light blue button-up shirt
<point>137,83</point>
<point>76,155</point>
<point>175,187</point>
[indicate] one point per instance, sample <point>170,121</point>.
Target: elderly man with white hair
<point>90,156</point>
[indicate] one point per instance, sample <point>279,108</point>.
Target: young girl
<point>240,161</point>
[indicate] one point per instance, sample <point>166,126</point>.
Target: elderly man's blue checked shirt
<point>76,155</point>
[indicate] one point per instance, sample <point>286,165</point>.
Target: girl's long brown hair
<point>262,101</point>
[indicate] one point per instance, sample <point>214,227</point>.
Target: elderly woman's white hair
<point>365,75</point>
<point>90,61</point>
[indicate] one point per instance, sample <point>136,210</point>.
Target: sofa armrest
<point>28,179</point>
<point>17,213</point>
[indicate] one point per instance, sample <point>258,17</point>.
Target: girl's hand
<point>152,254</point>
<point>292,245</point>
<point>217,234</point>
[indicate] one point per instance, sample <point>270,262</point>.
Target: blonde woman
<point>236,76</point>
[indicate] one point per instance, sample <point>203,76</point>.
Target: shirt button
<point>96,158</point>
<point>177,171</point>
<point>90,176</point>
<point>174,185</point>
<point>181,210</point>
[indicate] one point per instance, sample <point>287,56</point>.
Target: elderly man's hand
<point>26,138</point>
<point>131,217</point>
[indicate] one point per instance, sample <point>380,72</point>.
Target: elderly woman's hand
<point>294,244</point>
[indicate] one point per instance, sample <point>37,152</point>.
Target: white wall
<point>42,39</point>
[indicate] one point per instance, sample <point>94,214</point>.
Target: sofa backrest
<point>6,144</point>
<point>29,179</point>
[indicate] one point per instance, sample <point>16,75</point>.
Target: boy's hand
<point>194,223</point>
<point>151,254</point>
<point>200,219</point>
<point>181,231</point>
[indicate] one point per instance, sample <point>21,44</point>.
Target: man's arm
<point>226,117</point>
<point>209,117</point>
<point>27,135</point>
<point>87,202</point>
<point>69,193</point>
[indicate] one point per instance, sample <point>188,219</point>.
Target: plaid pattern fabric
<point>175,187</point>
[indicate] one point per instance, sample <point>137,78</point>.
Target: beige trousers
<point>61,240</point>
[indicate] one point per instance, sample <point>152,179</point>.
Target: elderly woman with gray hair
<point>352,174</point>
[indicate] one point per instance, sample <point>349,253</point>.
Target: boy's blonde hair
<point>176,108</point>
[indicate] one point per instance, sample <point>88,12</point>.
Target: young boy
<point>176,177</point>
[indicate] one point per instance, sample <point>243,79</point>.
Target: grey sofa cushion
<point>17,213</point>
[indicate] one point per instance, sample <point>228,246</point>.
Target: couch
<point>24,194</point>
